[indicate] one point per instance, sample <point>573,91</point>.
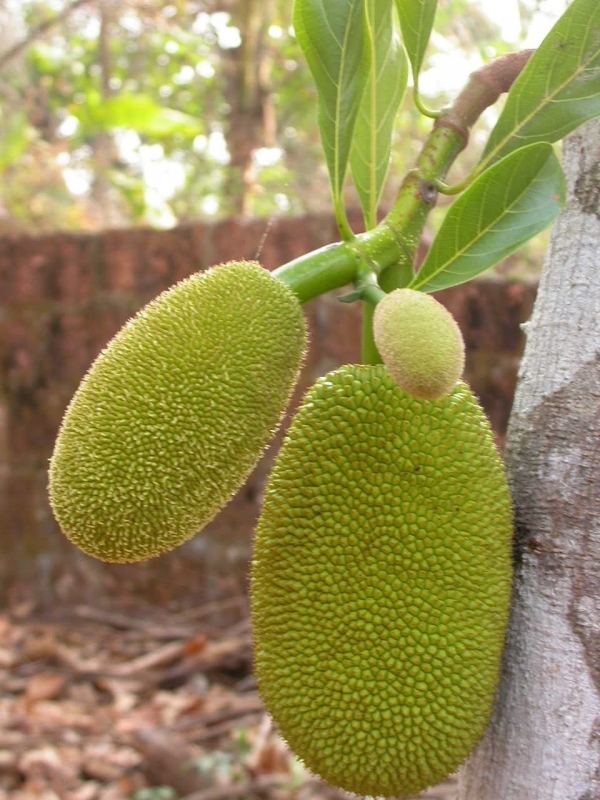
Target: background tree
<point>124,113</point>
<point>543,739</point>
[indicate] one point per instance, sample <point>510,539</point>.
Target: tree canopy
<point>136,112</point>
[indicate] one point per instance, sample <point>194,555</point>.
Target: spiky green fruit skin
<point>419,342</point>
<point>380,582</point>
<point>174,413</point>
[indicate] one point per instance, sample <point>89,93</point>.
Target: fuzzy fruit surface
<point>175,412</point>
<point>380,582</point>
<point>419,342</point>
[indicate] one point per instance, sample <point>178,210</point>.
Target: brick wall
<point>63,296</point>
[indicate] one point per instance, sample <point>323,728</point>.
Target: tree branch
<point>39,31</point>
<point>485,86</point>
<point>390,248</point>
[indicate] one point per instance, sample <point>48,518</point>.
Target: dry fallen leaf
<point>86,791</point>
<point>97,708</point>
<point>44,686</point>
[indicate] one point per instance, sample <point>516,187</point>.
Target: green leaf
<point>135,111</point>
<point>386,83</point>
<point>332,38</point>
<point>416,20</point>
<point>133,190</point>
<point>558,90</point>
<point>15,138</point>
<point>504,207</point>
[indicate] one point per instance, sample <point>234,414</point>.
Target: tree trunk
<point>250,122</point>
<point>543,741</point>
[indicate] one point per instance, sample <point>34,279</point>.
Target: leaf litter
<point>142,703</point>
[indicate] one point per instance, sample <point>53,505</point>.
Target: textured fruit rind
<point>175,412</point>
<point>381,582</point>
<point>420,343</point>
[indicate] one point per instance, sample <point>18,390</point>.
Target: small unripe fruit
<point>419,342</point>
<point>175,412</point>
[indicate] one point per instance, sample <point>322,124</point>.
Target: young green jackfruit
<point>419,342</point>
<point>174,413</point>
<point>381,581</point>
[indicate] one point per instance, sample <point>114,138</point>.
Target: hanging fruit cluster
<point>382,569</point>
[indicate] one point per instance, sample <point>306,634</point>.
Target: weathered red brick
<point>33,419</point>
<point>146,261</point>
<point>52,268</point>
<point>73,339</point>
<point>44,357</point>
<point>17,500</point>
<point>335,330</point>
<point>237,239</point>
<point>284,241</point>
<point>72,268</point>
<point>3,439</point>
<point>489,312</point>
<point>25,268</point>
<point>21,350</point>
<point>120,262</point>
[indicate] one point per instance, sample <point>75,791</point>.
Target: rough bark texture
<point>543,742</point>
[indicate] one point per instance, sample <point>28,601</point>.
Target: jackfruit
<point>175,412</point>
<point>380,582</point>
<point>419,342</point>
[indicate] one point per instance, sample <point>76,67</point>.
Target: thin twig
<point>216,607</point>
<point>244,706</point>
<point>223,728</point>
<point>256,786</point>
<point>210,657</point>
<point>151,629</point>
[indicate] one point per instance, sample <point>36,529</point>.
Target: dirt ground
<point>141,703</point>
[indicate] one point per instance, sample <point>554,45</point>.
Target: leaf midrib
<point>480,234</point>
<point>338,105</point>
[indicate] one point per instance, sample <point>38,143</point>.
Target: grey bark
<point>543,741</point>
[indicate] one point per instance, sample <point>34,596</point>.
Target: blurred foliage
<point>155,793</point>
<point>129,112</point>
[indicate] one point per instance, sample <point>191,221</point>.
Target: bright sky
<point>449,69</point>
<point>506,15</point>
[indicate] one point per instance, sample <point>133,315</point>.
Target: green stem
<point>372,293</point>
<point>427,112</point>
<point>321,271</point>
<point>457,188</point>
<point>341,219</point>
<point>338,264</point>
<point>417,196</point>
<point>368,350</point>
<point>389,249</point>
